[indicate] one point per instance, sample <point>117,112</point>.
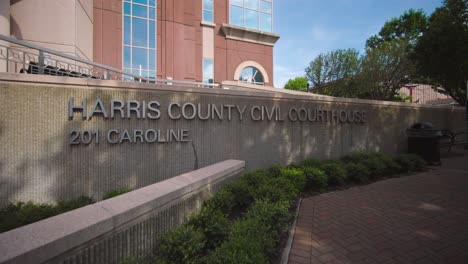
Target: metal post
<point>41,62</point>
<point>466,115</point>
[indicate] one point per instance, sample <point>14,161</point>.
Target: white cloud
<point>283,74</point>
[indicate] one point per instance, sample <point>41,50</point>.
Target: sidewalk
<point>421,218</point>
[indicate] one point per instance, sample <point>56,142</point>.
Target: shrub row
<point>243,222</point>
<point>20,214</point>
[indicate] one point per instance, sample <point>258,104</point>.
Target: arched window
<point>251,75</point>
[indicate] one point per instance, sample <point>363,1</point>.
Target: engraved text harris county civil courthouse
<point>151,110</point>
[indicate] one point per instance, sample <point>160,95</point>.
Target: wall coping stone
<point>262,92</point>
<point>46,239</point>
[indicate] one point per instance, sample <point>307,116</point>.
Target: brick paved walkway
<point>421,218</point>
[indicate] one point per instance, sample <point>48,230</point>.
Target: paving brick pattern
<point>420,218</point>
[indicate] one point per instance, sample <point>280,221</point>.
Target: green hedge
<point>20,214</point>
<point>244,221</point>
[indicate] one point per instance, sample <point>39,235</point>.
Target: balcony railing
<point>27,58</point>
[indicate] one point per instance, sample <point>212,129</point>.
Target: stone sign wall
<point>62,137</point>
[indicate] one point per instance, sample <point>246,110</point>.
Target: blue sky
<point>311,27</point>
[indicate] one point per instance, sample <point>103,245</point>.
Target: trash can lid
<point>423,125</point>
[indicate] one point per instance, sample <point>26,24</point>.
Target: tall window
<point>208,10</point>
<point>139,37</point>
<point>254,14</point>
<point>208,71</point>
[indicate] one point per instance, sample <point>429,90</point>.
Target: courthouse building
<point>189,40</point>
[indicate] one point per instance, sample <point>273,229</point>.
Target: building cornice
<point>249,35</point>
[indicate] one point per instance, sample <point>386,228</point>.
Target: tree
<point>385,69</point>
<point>442,52</point>
<point>333,72</point>
<point>408,26</point>
<point>297,84</point>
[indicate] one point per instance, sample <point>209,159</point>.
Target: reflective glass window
<point>127,30</point>
<point>265,22</point>
<point>139,37</point>
<point>139,11</point>
<point>237,16</point>
<point>127,10</point>
<point>152,13</point>
<point>139,32</point>
<point>208,10</point>
<point>143,2</point>
<point>208,71</point>
<point>127,57</point>
<point>251,75</point>
<point>152,34</point>
<point>254,14</point>
<point>265,6</point>
<point>139,58</point>
<point>251,19</point>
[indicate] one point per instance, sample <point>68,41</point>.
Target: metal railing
<point>27,58</point>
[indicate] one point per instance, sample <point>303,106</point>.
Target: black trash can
<point>423,140</point>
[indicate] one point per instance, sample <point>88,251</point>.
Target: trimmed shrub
<point>182,245</point>
<point>316,178</point>
<point>391,166</point>
<point>214,225</point>
<point>278,189</point>
<point>310,163</point>
<point>335,171</point>
<point>410,162</point>
<point>356,157</point>
<point>222,201</point>
<point>376,167</point>
<point>242,194</point>
<point>296,176</point>
<point>20,214</point>
<point>116,192</point>
<point>357,172</point>
<point>254,237</point>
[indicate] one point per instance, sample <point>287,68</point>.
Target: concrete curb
<point>292,229</point>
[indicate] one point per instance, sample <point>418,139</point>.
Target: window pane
<point>152,13</point>
<point>208,71</point>
<point>152,2</point>
<point>127,8</point>
<point>237,2</point>
<point>152,74</point>
<point>139,32</point>
<point>207,16</point>
<point>265,6</point>
<point>127,30</point>
<point>143,72</point>
<point>152,34</point>
<point>265,22</point>
<point>144,2</point>
<point>251,4</point>
<point>237,16</point>
<point>152,59</point>
<point>251,74</point>
<point>127,57</point>
<point>251,19</point>
<point>139,58</point>
<point>208,4</point>
<point>139,11</point>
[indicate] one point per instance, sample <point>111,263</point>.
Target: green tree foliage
<point>333,73</point>
<point>297,84</point>
<point>385,69</point>
<point>408,27</point>
<point>442,51</point>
